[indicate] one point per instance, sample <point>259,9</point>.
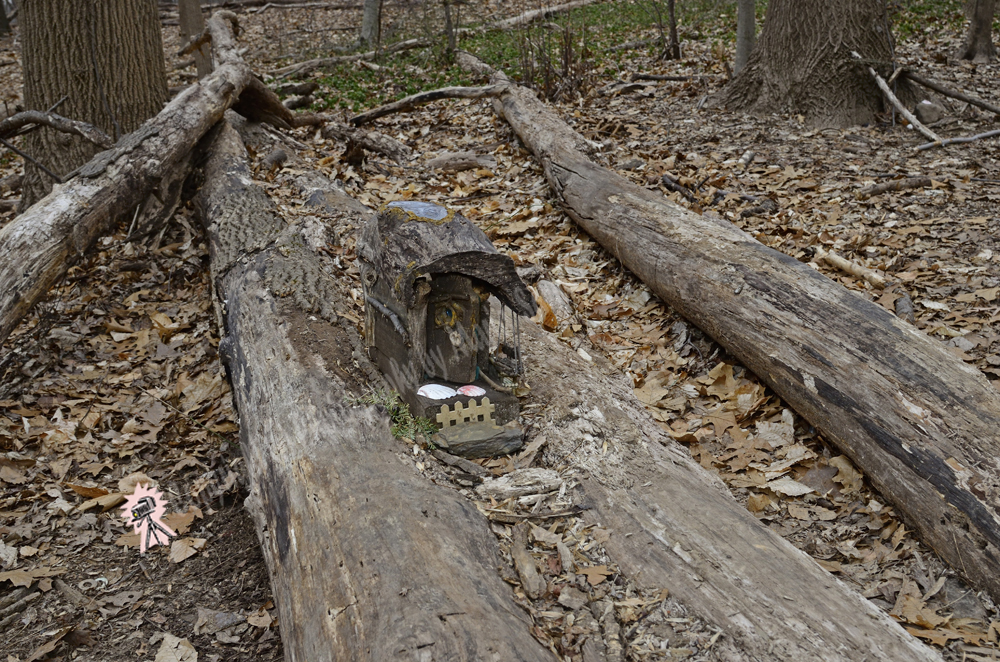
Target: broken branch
<point>421,98</point>
<point>894,185</point>
<point>948,92</point>
<point>36,117</point>
<point>957,141</point>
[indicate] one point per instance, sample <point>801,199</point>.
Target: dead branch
<point>43,242</point>
<point>887,92</point>
<point>536,14</point>
<point>894,185</point>
<point>957,141</point>
<point>895,400</point>
<point>30,118</point>
<point>419,99</point>
<point>311,65</point>
<point>369,140</point>
<point>948,92</point>
<point>864,273</point>
<point>638,76</point>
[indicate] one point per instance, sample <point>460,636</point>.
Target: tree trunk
<point>371,24</point>
<point>368,559</point>
<point>674,49</point>
<point>37,247</point>
<point>979,40</point>
<point>746,32</point>
<point>192,24</point>
<point>105,58</point>
<point>918,421</point>
<point>4,21</point>
<point>802,62</point>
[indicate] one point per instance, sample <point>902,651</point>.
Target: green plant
<point>403,424</point>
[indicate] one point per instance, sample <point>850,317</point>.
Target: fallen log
<point>919,422</point>
<point>414,100</point>
<point>369,140</point>
<point>43,242</point>
<point>673,525</point>
<point>25,120</point>
<point>300,68</point>
<point>368,559</point>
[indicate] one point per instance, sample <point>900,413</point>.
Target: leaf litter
<point>117,372</point>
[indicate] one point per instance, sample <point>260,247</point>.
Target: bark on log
<point>919,422</point>
<point>675,526</point>
<point>368,559</point>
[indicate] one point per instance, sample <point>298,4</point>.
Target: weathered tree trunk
<point>979,40</point>
<point>368,559</point>
<point>924,426</point>
<point>675,526</point>
<point>746,32</point>
<point>38,246</point>
<point>105,58</point>
<point>371,24</point>
<point>802,62</point>
<point>4,21</point>
<point>192,24</point>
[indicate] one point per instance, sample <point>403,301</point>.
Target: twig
<point>894,185</point>
<point>28,157</point>
<point>58,122</point>
<point>898,105</point>
<point>956,141</point>
<point>671,183</point>
<point>948,92</point>
<point>421,98</point>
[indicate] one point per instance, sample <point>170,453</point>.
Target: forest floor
<point>117,374</point>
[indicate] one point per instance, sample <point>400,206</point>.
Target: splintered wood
<point>471,414</point>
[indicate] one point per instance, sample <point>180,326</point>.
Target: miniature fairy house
<point>428,274</point>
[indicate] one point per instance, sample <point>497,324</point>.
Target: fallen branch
<point>300,68</point>
<point>887,92</point>
<point>948,92</point>
<point>27,118</point>
<point>957,141</point>
<point>852,268</point>
<point>369,140</point>
<point>894,185</point>
<point>638,76</point>
<point>536,14</point>
<point>920,423</point>
<point>414,100</point>
<point>39,245</point>
<point>368,558</point>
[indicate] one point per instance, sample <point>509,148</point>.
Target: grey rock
<point>929,112</point>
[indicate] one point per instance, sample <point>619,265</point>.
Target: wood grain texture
<point>922,425</point>
<point>368,559</point>
<point>39,246</point>
<point>675,526</point>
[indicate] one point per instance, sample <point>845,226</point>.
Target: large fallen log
<point>39,246</point>
<point>673,525</point>
<point>922,425</point>
<point>368,559</point>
